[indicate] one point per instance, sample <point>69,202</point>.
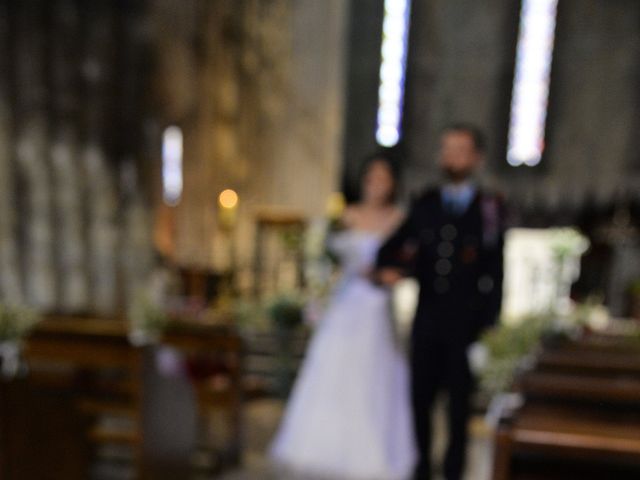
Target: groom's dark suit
<point>456,255</point>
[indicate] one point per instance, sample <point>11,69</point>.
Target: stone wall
<point>86,89</point>
<point>74,219</point>
<point>256,85</point>
<point>593,144</point>
<point>460,53</point>
<point>460,68</point>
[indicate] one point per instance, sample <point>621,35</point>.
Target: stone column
<point>10,288</point>
<point>136,245</point>
<point>32,154</point>
<point>68,175</point>
<point>136,257</point>
<point>101,194</point>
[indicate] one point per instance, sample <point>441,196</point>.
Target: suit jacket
<point>457,260</point>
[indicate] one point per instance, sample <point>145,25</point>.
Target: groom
<point>452,243</point>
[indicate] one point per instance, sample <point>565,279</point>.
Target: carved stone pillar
<point>136,252</point>
<point>32,155</point>
<point>68,175</point>
<point>101,192</point>
<point>10,289</point>
<point>136,244</point>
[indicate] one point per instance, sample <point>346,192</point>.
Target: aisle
<point>262,417</point>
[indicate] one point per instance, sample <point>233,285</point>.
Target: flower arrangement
<point>320,262</point>
<point>508,349</point>
<point>16,322</point>
<point>147,319</point>
<point>591,315</point>
<point>250,315</point>
<point>568,241</point>
<point>286,311</point>
<point>567,246</point>
<point>634,299</point>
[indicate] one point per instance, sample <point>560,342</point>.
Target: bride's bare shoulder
<point>351,216</point>
<point>397,216</point>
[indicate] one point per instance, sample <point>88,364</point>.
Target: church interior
<point>168,172</point>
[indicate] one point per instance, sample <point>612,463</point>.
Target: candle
<point>228,203</point>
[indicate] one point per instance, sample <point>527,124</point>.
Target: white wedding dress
<point>349,414</point>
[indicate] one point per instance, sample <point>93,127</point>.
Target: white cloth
<point>349,414</point>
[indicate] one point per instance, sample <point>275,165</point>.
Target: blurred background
<point>166,167</point>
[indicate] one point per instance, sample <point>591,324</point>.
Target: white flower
<point>478,356</point>
<point>315,238</point>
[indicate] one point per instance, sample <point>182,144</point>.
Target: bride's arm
<point>396,255</point>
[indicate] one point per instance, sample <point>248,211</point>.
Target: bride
<point>349,413</point>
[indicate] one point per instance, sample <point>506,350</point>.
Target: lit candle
<point>228,203</point>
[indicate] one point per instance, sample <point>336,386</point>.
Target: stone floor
<point>262,419</point>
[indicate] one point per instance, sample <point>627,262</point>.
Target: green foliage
<point>250,315</point>
<point>286,311</point>
<point>16,321</point>
<point>634,287</point>
<point>568,241</point>
<point>147,315</point>
<point>283,311</point>
<point>291,239</point>
<point>508,347</point>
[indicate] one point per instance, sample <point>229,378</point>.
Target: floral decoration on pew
<point>16,322</point>
<point>506,350</point>
<point>148,319</point>
<point>511,347</point>
<point>276,326</point>
<point>634,299</point>
<point>286,311</point>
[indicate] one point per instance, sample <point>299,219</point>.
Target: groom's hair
<point>476,134</point>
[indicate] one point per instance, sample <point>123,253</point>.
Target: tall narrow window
<point>172,165</point>
<point>395,32</point>
<point>531,82</point>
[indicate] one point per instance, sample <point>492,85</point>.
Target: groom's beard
<point>455,176</point>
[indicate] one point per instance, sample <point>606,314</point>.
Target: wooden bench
<point>94,371</point>
<point>580,418</point>
<point>568,433</point>
<point>219,386</point>
<point>614,388</point>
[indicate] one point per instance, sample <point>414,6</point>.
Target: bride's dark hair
<point>392,164</point>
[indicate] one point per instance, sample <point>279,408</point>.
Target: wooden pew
<point>580,418</point>
<point>587,387</point>
<point>220,386</point>
<point>93,372</point>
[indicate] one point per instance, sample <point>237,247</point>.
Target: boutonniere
<point>490,220</point>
